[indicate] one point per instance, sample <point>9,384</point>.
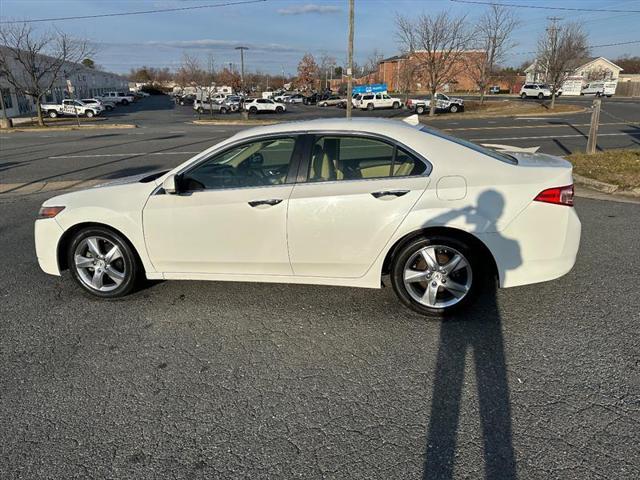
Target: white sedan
<point>331,202</point>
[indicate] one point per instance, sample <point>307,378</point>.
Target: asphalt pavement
<point>201,380</point>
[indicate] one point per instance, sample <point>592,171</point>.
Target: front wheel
<point>108,108</point>
<point>53,114</point>
<point>370,106</point>
<point>89,114</point>
<point>125,102</point>
<point>420,110</point>
<point>396,105</point>
<point>540,96</point>
<point>523,96</point>
<point>324,104</point>
<point>453,108</point>
<point>102,262</point>
<point>279,109</point>
<point>436,276</point>
<point>223,110</point>
<point>253,110</point>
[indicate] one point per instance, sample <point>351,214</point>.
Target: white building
<point>595,69</point>
<point>86,83</point>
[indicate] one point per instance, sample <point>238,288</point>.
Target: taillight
<point>557,196</point>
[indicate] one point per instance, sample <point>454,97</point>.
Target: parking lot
<point>237,380</point>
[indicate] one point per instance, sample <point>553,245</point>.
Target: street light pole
<point>350,61</point>
<point>242,49</point>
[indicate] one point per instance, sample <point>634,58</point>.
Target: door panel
<point>218,231</point>
<point>337,229</point>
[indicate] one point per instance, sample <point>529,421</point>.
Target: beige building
<point>593,69</point>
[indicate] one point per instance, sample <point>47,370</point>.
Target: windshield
<point>503,157</point>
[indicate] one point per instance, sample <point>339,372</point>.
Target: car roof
<point>389,128</point>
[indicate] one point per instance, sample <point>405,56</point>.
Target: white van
<point>599,89</point>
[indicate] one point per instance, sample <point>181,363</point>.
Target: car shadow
<point>478,330</point>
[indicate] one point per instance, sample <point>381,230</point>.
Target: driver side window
<point>255,164</point>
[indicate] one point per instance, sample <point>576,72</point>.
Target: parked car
<point>118,97</point>
<point>282,98</point>
<point>359,199</point>
<point>186,99</point>
<point>311,99</point>
<point>256,105</point>
<point>96,101</point>
<point>537,90</point>
<point>202,106</point>
<point>443,104</point>
<point>494,90</point>
<point>599,89</point>
<point>371,101</point>
<point>233,102</point>
<point>71,107</point>
<point>332,100</point>
<point>295,98</point>
<point>140,94</point>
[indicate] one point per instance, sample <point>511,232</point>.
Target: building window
<point>6,96</point>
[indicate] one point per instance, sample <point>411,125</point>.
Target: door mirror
<point>170,185</point>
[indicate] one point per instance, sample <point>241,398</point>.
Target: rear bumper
<point>541,244</point>
<point>47,237</point>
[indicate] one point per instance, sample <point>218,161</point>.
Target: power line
<point>140,12</point>
<point>591,46</point>
<point>540,7</point>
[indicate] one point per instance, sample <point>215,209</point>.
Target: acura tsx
<point>327,202</point>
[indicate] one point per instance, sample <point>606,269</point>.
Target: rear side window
<point>354,158</point>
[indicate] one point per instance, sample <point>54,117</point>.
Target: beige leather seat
<point>322,168</point>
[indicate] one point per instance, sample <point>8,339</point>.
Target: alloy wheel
<point>100,264</point>
<point>437,276</point>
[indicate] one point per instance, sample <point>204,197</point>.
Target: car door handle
<point>389,193</point>
<point>271,202</point>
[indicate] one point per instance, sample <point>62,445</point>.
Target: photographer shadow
<point>477,331</point>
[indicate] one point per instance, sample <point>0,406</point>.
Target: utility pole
<point>350,61</point>
<point>242,49</point>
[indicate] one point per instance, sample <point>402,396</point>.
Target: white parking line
<point>547,136</point>
<point>141,154</point>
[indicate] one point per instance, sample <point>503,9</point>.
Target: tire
<point>89,114</point>
<point>125,102</point>
<point>608,96</point>
<point>325,104</point>
<point>370,106</point>
<point>523,95</point>
<point>109,108</point>
<point>540,96</point>
<point>279,109</point>
<point>103,278</point>
<point>469,278</point>
<point>181,103</point>
<point>200,110</point>
<point>598,94</point>
<point>453,108</point>
<point>582,93</point>
<point>253,110</point>
<point>396,105</point>
<point>223,110</point>
<point>420,110</point>
<point>53,114</point>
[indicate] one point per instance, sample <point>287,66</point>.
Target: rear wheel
<point>540,96</point>
<point>102,262</point>
<point>223,110</point>
<point>420,110</point>
<point>370,106</point>
<point>89,114</point>
<point>437,275</point>
<point>125,102</point>
<point>396,105</point>
<point>279,109</point>
<point>253,110</point>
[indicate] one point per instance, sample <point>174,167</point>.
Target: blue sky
<point>279,32</point>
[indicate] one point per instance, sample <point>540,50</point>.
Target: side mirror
<point>170,185</point>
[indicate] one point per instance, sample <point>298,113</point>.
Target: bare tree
<point>32,63</point>
<point>326,64</point>
<point>492,40</point>
<point>561,49</point>
<point>371,66</point>
<point>437,43</point>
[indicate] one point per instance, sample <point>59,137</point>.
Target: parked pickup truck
<point>443,103</point>
<point>118,97</point>
<point>71,107</point>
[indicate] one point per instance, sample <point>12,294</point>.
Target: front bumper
<point>47,236</point>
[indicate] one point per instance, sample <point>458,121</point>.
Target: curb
<point>69,128</point>
<point>595,184</point>
<point>236,122</point>
<point>473,116</point>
